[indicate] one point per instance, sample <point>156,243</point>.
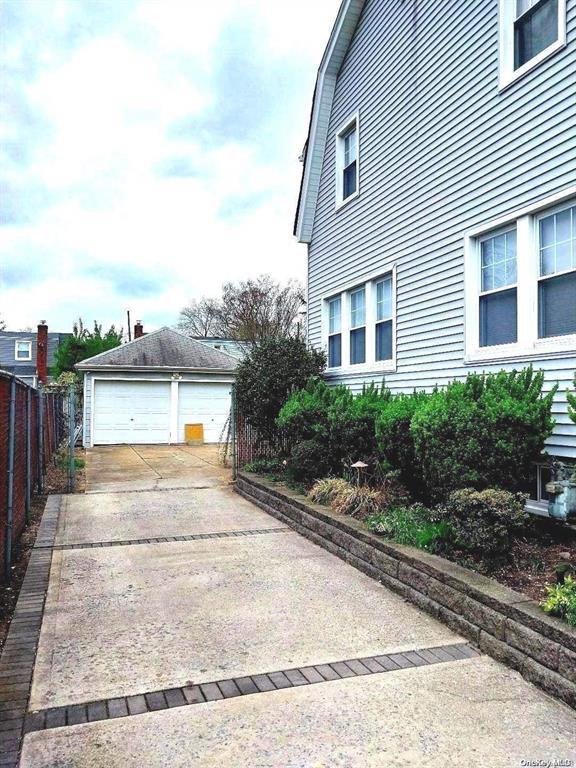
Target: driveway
<point>185,627</point>
<point>148,467</point>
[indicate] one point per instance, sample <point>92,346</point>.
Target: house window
<point>23,350</point>
<point>520,283</point>
<point>530,31</point>
<point>498,295</point>
<point>535,28</point>
<point>335,332</point>
<point>557,283</point>
<point>384,320</point>
<point>358,326</point>
<point>347,176</point>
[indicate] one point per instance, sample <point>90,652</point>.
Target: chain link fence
<point>247,442</point>
<point>33,425</point>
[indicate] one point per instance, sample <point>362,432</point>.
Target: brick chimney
<point>138,329</point>
<point>42,353</point>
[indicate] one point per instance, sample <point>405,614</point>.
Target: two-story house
<point>29,354</point>
<point>438,197</point>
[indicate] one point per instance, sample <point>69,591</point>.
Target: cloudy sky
<point>149,151</point>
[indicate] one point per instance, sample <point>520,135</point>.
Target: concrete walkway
<point>165,606</point>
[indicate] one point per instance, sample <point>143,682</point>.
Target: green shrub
<point>264,466</point>
<point>268,374</point>
<point>358,501</point>
<point>560,600</point>
<point>571,398</point>
<point>308,461</point>
<point>305,415</point>
<point>395,440</point>
<point>325,491</point>
<point>416,526</point>
<point>485,522</point>
<point>352,422</point>
<point>483,432</point>
<point>344,422</point>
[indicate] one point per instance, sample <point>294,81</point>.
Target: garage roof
<point>163,349</point>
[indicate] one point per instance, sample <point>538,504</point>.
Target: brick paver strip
<point>244,686</point>
<point>19,653</point>
<point>161,540</point>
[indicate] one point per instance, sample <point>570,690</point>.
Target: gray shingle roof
<point>165,348</point>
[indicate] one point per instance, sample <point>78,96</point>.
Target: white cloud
<point>126,193</point>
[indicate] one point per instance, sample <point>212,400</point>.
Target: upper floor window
<point>23,350</point>
<point>335,332</point>
<point>530,31</point>
<point>358,326</point>
<point>347,163</point>
<point>521,285</point>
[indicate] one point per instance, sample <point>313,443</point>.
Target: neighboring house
<point>146,391</point>
<point>29,354</point>
<point>237,348</point>
<point>438,197</point>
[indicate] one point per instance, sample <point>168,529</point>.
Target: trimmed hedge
<point>484,432</point>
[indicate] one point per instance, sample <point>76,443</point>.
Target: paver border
<point>19,652</point>
<point>165,539</point>
<point>167,698</point>
<point>502,623</point>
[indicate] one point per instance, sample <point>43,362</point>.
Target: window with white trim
<point>358,326</point>
<point>335,332</point>
<point>557,280</point>
<point>498,295</point>
<point>530,31</point>
<point>384,321</point>
<point>347,162</point>
<point>520,284</point>
<point>23,350</point>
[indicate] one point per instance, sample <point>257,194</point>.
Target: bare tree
<point>251,310</point>
<point>254,310</point>
<point>201,318</point>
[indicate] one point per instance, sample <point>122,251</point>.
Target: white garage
<point>147,391</point>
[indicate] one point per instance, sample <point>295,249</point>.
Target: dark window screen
<point>358,346</point>
<point>349,180</point>
<point>384,340</point>
<point>557,306</point>
<point>535,31</point>
<point>335,350</point>
<point>498,318</point>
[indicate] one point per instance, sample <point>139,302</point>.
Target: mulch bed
<point>54,482</point>
<point>533,559</point>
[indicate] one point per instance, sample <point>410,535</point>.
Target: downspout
<point>10,479</point>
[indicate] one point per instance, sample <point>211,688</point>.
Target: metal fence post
<point>28,455</point>
<point>10,482</point>
<point>40,440</point>
<point>233,431</point>
<point>71,432</point>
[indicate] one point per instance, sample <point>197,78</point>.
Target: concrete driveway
<point>148,467</point>
<point>186,627</point>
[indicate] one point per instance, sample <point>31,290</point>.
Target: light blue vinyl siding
<point>441,151</point>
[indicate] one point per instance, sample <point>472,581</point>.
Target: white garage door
<point>131,412</point>
<point>207,404</point>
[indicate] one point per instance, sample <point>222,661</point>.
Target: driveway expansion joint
<point>165,539</point>
<point>152,701</point>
